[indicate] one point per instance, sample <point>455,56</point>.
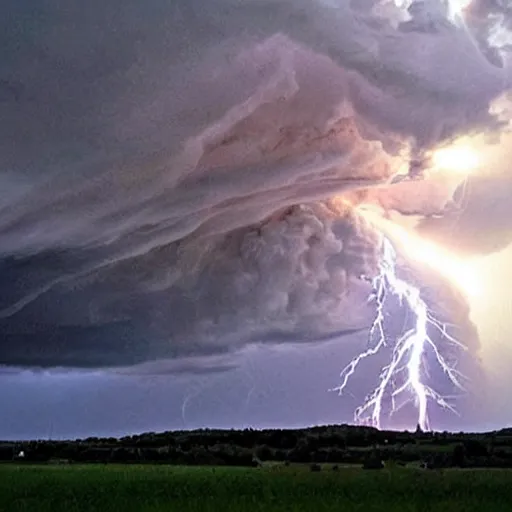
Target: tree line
<point>336,444</point>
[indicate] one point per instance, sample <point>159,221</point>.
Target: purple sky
<point>271,390</point>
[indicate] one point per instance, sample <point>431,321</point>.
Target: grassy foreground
<point>182,489</point>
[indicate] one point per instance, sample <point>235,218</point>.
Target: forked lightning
<point>408,353</point>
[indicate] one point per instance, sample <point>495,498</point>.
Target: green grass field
<point>182,489</point>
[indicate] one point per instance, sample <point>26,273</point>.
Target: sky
<point>194,200</point>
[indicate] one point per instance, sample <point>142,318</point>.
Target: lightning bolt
<point>408,359</point>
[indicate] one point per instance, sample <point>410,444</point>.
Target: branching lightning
<point>408,361</point>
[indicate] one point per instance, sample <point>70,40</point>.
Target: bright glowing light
<point>456,159</point>
<point>457,7</point>
<point>459,272</point>
<point>403,4</point>
<point>403,378</point>
<point>454,7</point>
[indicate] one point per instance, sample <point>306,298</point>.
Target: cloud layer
<point>172,188</point>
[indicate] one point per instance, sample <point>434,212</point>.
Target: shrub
<point>459,456</point>
<point>373,462</point>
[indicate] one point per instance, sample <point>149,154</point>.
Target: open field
<point>134,488</point>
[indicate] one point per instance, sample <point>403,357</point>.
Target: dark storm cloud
<point>288,276</point>
<point>153,159</point>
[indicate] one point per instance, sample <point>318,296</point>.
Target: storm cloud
<point>172,176</point>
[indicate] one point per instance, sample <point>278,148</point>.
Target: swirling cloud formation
<point>175,179</point>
